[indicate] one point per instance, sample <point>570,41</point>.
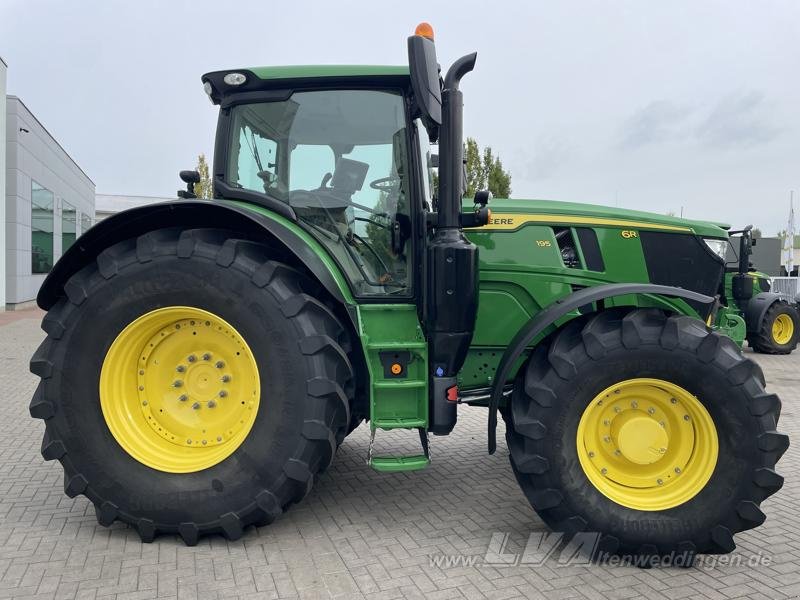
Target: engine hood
<point>510,213</point>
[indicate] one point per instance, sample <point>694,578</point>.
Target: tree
<point>485,171</point>
<point>756,233</point>
<point>203,189</point>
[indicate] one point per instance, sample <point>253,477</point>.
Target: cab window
<point>338,158</point>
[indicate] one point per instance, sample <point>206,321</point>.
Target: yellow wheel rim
<point>783,329</point>
<point>179,389</point>
<point>647,444</point>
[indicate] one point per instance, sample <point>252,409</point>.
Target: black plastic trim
<point>757,307</point>
<point>183,213</point>
<point>233,193</point>
<point>590,246</point>
<point>560,308</point>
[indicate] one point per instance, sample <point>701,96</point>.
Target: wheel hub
<point>196,388</point>
<point>641,439</point>
<point>647,444</point>
<point>782,329</point>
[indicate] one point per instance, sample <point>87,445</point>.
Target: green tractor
<point>770,322</point>
<point>205,359</point>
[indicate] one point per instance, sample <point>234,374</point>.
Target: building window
<point>41,229</point>
<point>86,222</point>
<point>68,226</point>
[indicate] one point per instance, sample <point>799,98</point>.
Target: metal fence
<point>787,286</point>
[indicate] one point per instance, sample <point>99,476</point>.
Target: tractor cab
<point>348,160</point>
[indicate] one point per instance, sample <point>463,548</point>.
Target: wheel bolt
<point>651,410</point>
<point>606,422</point>
<point>219,438</point>
<point>211,404</point>
<point>677,470</point>
<point>685,417</point>
<point>180,368</point>
<point>226,378</point>
<point>634,404</point>
<point>617,452</point>
<point>183,397</point>
<point>144,402</point>
<point>204,442</point>
<point>662,423</point>
<point>617,409</point>
<point>223,393</point>
<point>606,439</point>
<point>673,400</point>
<point>603,471</point>
<point>219,364</point>
<point>196,405</point>
<point>192,358</point>
<point>177,383</point>
<point>591,454</point>
<point>206,356</point>
<point>141,371</point>
<point>188,441</point>
<point>660,481</point>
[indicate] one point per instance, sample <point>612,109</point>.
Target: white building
<point>49,201</point>
<point>110,204</point>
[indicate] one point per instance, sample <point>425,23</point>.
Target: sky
<point>686,106</point>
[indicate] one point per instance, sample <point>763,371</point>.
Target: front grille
<point>684,261</point>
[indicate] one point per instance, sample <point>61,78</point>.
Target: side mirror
<point>189,178</point>
<point>424,70</point>
<point>482,197</point>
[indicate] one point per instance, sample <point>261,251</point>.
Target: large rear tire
<point>647,429</point>
<point>251,468</point>
<point>779,331</point>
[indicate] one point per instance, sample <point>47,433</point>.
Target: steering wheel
<point>385,184</point>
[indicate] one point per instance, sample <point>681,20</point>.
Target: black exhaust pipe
<point>452,269</point>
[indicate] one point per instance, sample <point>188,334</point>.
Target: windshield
<point>337,157</point>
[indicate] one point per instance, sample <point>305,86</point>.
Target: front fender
<point>757,307</point>
<point>559,309</point>
<point>255,221</point>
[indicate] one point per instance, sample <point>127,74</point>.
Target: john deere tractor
<point>769,321</point>
<point>205,359</point>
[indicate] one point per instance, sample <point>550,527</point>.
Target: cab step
<point>396,464</point>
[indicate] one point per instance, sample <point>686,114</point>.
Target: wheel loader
<point>205,359</point>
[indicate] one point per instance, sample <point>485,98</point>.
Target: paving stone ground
<point>360,534</point>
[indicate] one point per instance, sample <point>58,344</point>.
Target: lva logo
<point>541,547</point>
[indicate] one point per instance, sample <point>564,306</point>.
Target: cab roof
<point>315,71</point>
<point>260,79</point>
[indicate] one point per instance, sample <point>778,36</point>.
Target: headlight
<point>718,247</point>
<point>234,78</point>
<point>209,90</point>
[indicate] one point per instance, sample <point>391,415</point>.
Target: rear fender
<point>256,222</point>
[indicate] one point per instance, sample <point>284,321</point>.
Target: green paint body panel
<point>322,71</point>
<point>521,272</point>
<point>396,402</point>
<point>725,316</point>
<point>731,323</point>
<point>395,464</point>
<point>568,209</point>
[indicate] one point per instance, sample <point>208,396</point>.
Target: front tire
<point>779,331</point>
<point>92,394</point>
<point>607,357</point>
